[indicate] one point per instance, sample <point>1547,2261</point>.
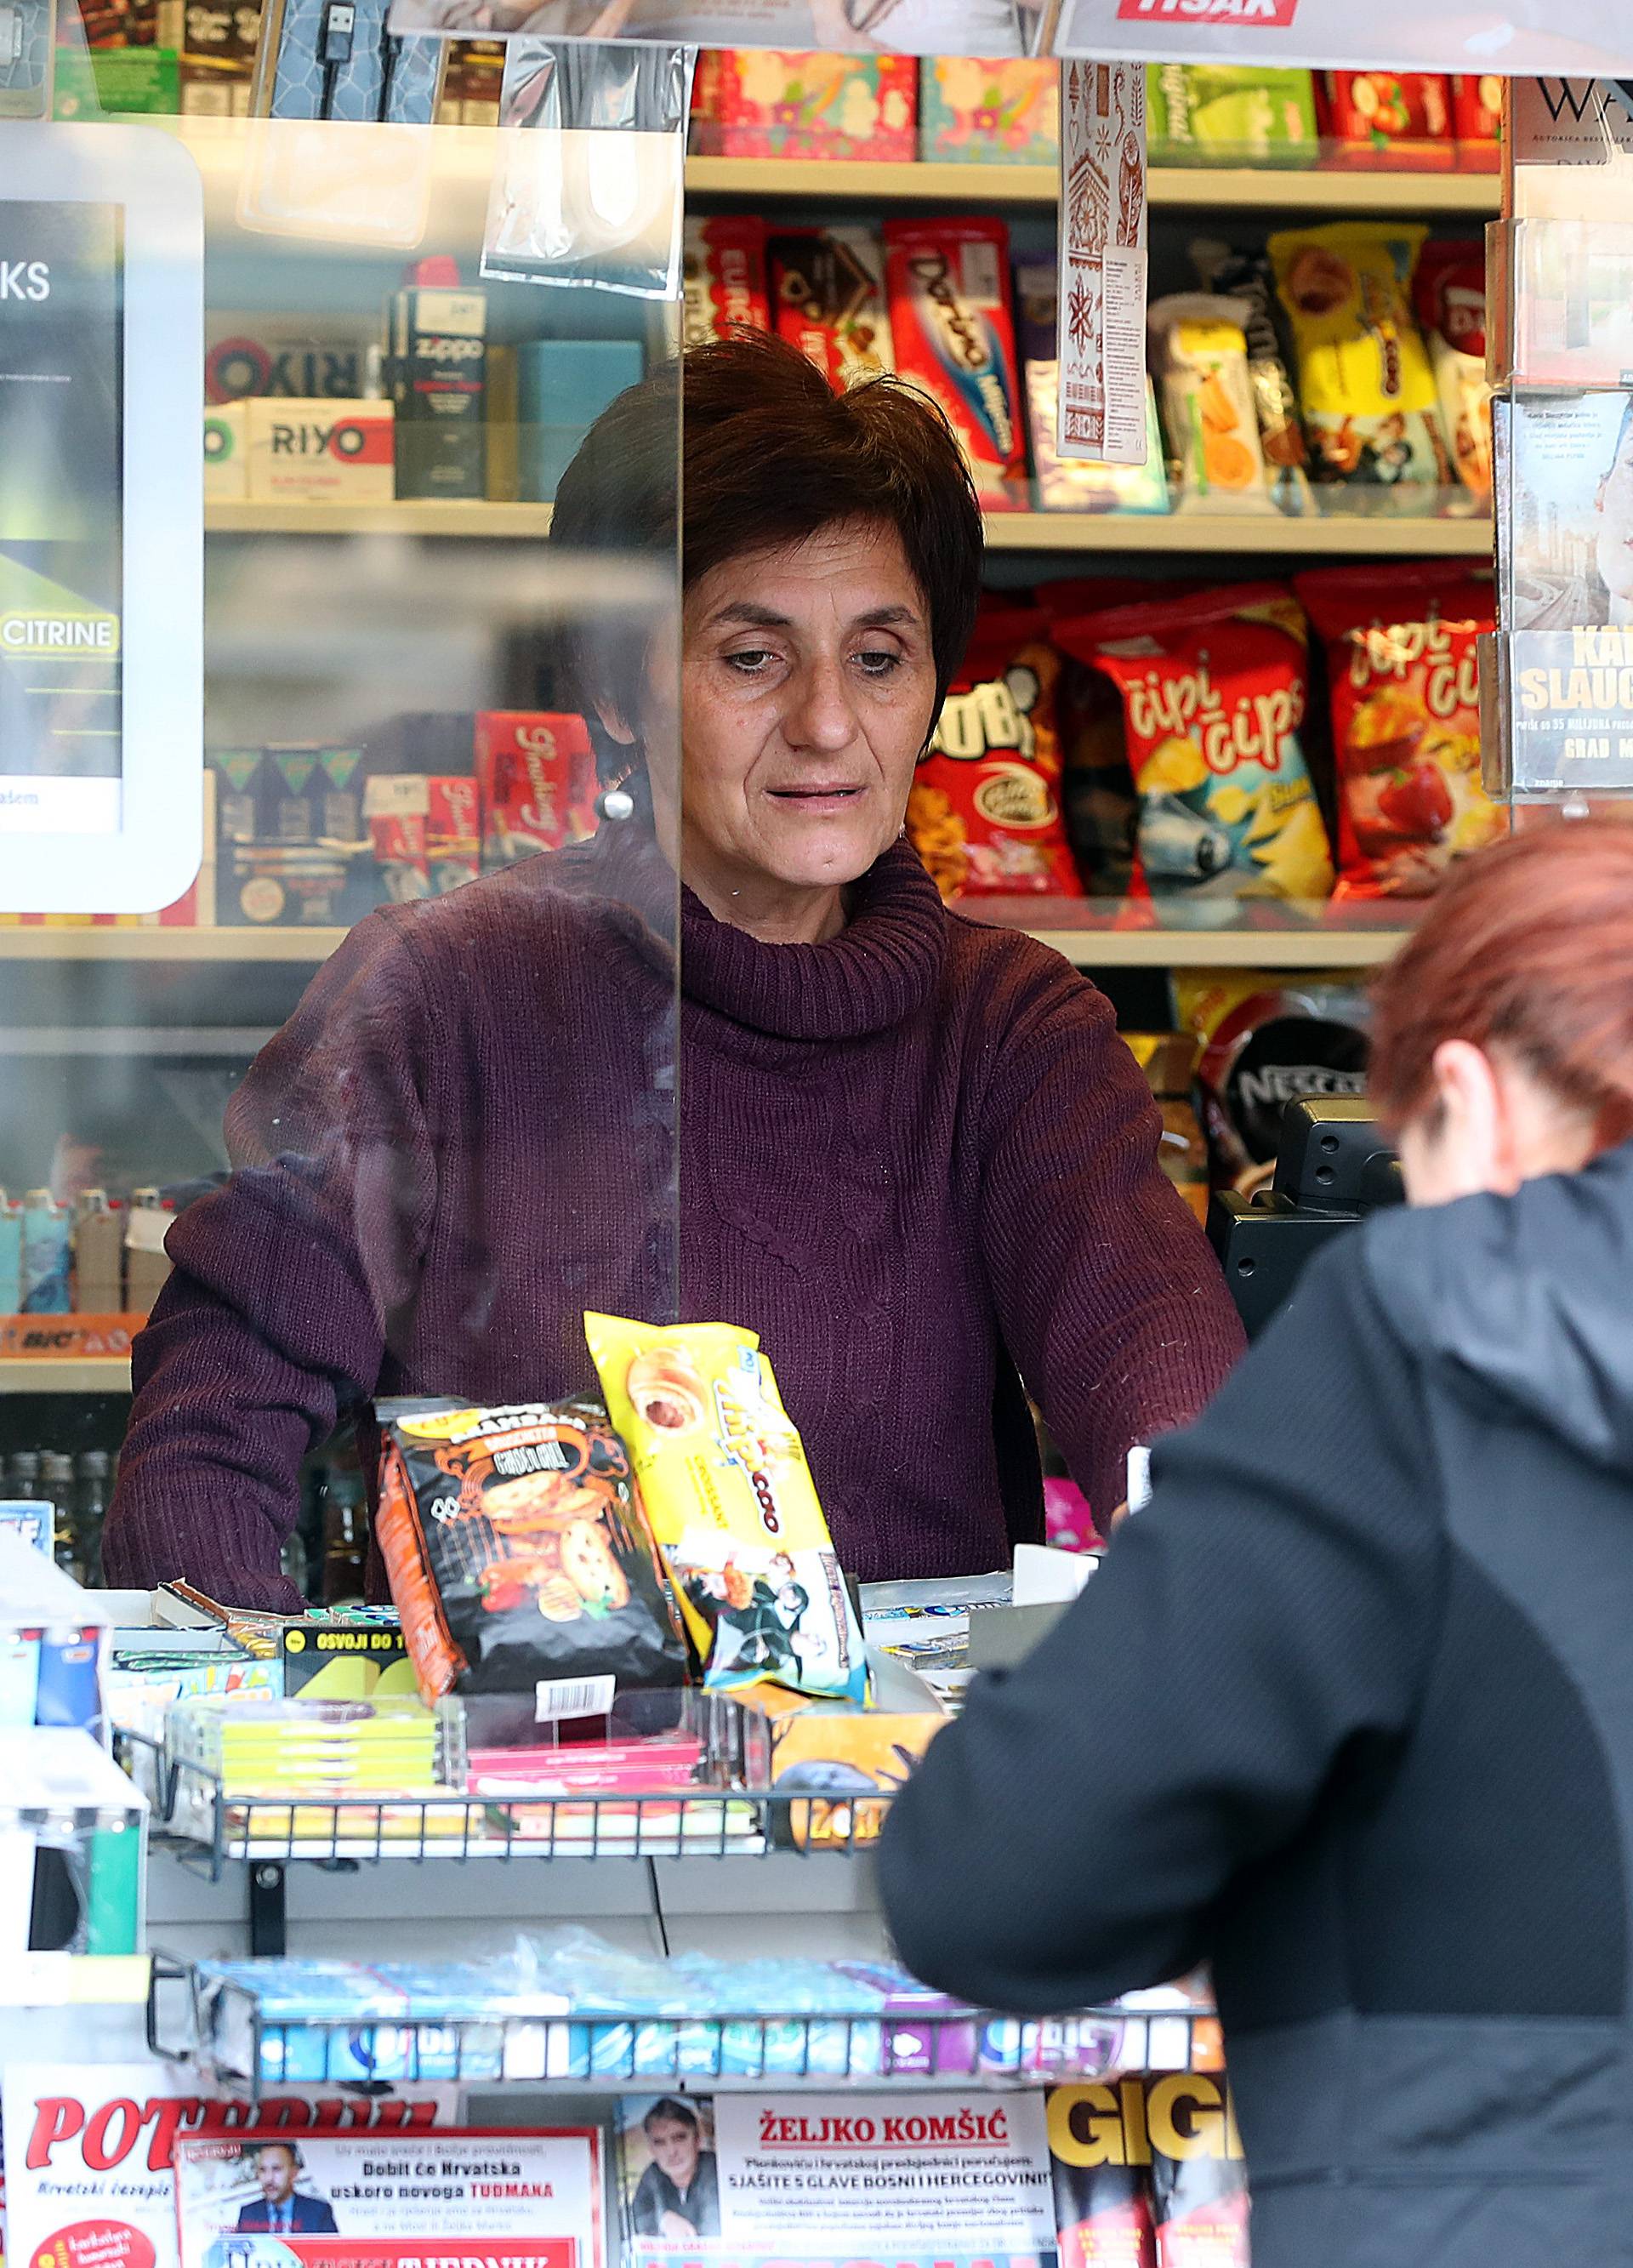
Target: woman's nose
<point>821,716</point>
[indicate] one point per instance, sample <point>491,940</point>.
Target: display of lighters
<point>955,336</point>
<point>48,1248</point>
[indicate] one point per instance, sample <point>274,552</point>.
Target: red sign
<point>1252,15</point>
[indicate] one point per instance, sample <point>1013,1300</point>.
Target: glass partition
<point>386,1099</point>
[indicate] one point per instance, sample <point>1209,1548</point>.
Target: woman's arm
<point>1065,1840</point>
<point>286,1282</point>
<point>1110,1301</point>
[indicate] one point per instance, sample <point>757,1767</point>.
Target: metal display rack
<point>226,2028</point>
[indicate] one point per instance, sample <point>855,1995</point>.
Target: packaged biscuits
<point>1200,349</point>
<point>519,1554</point>
<point>724,277</point>
<point>724,1477</point>
<point>1401,665</point>
<point>1214,691</point>
<point>827,298</point>
<point>951,318</point>
<point>1372,407</point>
<point>984,813</point>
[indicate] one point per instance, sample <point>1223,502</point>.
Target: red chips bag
<point>985,815</point>
<point>1401,663</point>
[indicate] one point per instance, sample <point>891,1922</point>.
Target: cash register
<point>1333,1167</point>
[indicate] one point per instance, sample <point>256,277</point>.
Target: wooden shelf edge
<point>85,1373</point>
<point>1289,188</point>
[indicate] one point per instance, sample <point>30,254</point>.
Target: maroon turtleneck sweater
<point>911,1159</point>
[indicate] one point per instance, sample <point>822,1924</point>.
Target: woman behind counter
<point>912,1152</point>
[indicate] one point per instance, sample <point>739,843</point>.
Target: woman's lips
<point>817,800</point>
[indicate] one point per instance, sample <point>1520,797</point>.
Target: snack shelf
<point>1269,188</point>
<point>1325,535</point>
<point>229,2031</point>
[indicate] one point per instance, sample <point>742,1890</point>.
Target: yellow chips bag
<point>731,1500</point>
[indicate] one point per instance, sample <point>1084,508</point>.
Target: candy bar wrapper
<point>955,336</point>
<point>1200,348</point>
<point>975,113</point>
<point>1450,296</point>
<point>724,277</point>
<point>725,1481</point>
<point>827,294</point>
<point>768,102</point>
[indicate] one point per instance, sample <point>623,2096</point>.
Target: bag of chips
<point>1246,276</point>
<point>984,812</point>
<point>1371,410</point>
<point>725,1480</point>
<point>1450,301</point>
<point>1401,665</point>
<point>1214,690</point>
<point>1266,1041</point>
<point>1200,349</point>
<point>1386,117</point>
<point>519,1554</point>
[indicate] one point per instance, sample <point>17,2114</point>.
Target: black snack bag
<point>519,1555</point>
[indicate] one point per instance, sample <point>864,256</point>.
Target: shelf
<point>1189,187</point>
<point>1266,535</point>
<point>82,1373</point>
<point>169,945</point>
<point>1216,948</point>
<point>1259,534</point>
<point>472,517</point>
<point>1078,941</point>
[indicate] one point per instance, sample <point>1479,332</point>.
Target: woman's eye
<point>752,659</point>
<point>879,661</point>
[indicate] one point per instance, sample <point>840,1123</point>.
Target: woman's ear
<point>614,724</point>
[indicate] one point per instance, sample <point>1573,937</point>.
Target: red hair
<point>1526,951</point>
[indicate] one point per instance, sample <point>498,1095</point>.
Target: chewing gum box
<point>951,320</point>
<point>320,451</point>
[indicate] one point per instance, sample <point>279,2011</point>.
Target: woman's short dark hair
<point>771,455</point>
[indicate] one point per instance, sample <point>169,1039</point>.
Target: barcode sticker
<point>573,1697</point>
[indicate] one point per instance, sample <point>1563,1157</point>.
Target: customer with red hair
<point>1348,1711</point>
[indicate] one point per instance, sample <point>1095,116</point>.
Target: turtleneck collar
<point>882,968</point>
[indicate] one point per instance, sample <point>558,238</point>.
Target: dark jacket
<point>1348,1712</point>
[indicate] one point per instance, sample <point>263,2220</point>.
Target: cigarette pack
<point>765,102</point>
<point>725,276</point>
<point>955,336</point>
<point>437,359</point>
<point>828,293</point>
<point>536,775</point>
<point>320,451</point>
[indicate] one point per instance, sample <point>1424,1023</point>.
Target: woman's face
<point>808,689</point>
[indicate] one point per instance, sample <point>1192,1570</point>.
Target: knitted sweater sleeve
<point>1279,1600</point>
<point>279,1311</point>
<point>1109,1298</point>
